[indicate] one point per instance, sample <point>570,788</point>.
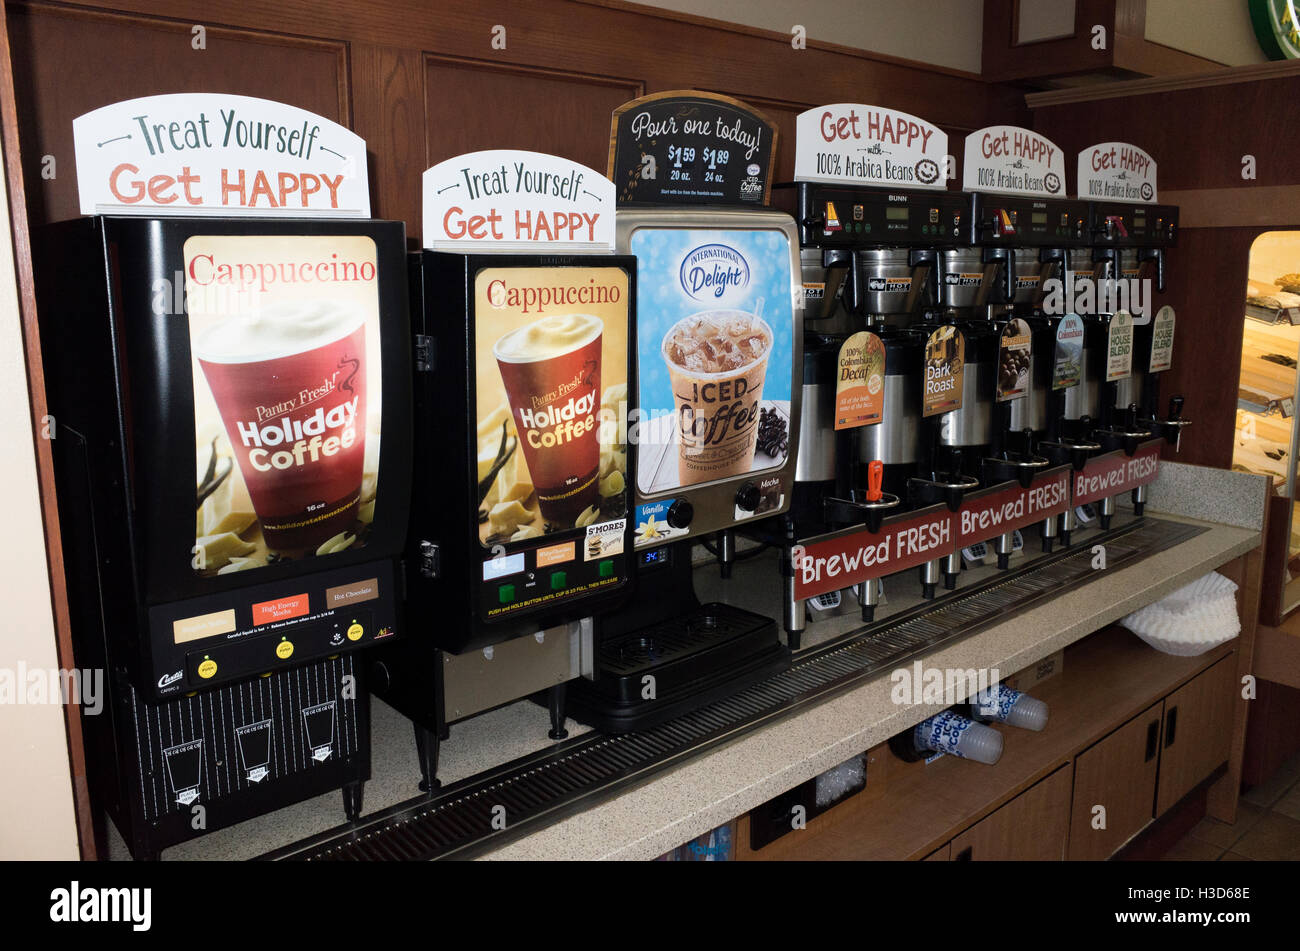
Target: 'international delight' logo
<point>714,271</point>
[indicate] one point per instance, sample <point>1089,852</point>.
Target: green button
<point>606,568</point>
<point>506,593</point>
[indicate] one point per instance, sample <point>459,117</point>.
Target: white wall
<point>1216,29</point>
<point>36,806</point>
<point>940,32</point>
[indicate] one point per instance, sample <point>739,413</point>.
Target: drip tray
<point>569,777</point>
<point>653,674</point>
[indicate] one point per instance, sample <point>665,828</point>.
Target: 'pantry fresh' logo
<point>714,272</point>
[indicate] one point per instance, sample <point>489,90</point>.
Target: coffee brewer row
<point>1014,301</point>
<point>494,465</point>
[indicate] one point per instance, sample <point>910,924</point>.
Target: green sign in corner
<point>1277,27</point>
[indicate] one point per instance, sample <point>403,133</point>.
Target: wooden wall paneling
<point>1197,135</point>
<point>389,113</point>
<point>563,112</point>
<point>1206,286</point>
<point>44,455</point>
<point>68,61</point>
<point>616,39</point>
<point>1003,60</point>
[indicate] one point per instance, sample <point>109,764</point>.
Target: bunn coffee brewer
<point>872,212</point>
<point>232,458</point>
<point>716,403</point>
<point>876,248</point>
<point>519,531</point>
<point>1040,232</point>
<point>1141,235</point>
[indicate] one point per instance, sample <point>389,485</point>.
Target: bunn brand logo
<point>714,272</point>
<point>103,905</point>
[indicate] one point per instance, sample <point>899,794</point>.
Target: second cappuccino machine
<point>524,356</point>
<point>715,405</point>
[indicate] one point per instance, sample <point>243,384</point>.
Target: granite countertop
<point>676,806</point>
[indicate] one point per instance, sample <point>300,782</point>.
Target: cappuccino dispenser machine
<point>520,523</point>
<point>716,401</point>
<point>231,436</point>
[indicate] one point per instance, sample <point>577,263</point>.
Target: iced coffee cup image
<point>551,372</point>
<point>289,382</point>
<point>717,361</point>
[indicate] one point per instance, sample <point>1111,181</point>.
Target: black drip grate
<point>462,820</point>
<point>649,647</point>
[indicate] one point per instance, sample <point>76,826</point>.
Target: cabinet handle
<point>964,855</point>
<point>1153,740</point>
<point>1171,726</point>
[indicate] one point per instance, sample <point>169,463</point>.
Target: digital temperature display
<point>655,556</point>
<point>1039,217</point>
<point>896,214</point>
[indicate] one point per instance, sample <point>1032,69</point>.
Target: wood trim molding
<point>13,171</point>
<point>1264,206</point>
<point>1226,76</point>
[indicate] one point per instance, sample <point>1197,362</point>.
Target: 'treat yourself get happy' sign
<point>514,200</point>
<point>211,154</point>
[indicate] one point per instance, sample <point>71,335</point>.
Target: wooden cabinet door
<point>1031,827</point>
<point>1197,731</point>
<point>942,854</point>
<point>1118,774</point>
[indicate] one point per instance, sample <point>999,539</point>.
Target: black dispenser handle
<point>1007,257</point>
<point>1111,255</point>
<point>929,259</point>
<point>1175,408</point>
<point>1157,255</point>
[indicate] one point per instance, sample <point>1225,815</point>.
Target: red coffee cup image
<point>551,372</point>
<point>290,385</point>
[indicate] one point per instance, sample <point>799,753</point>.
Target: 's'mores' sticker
<point>604,540</point>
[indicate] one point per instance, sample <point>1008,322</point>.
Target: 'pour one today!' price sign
<point>212,154</point>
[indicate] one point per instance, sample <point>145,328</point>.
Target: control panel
<point>1031,222</point>
<point>843,216</point>
<point>549,575</point>
<point>214,639</point>
<point>1133,226</point>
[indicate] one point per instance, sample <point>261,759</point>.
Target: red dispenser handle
<point>875,475</point>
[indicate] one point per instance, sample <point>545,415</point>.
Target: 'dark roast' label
<point>860,381</point>
<point>945,363</point>
<point>1162,340</point>
<point>1013,360</point>
<point>1067,365</point>
<point>1119,352</point>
